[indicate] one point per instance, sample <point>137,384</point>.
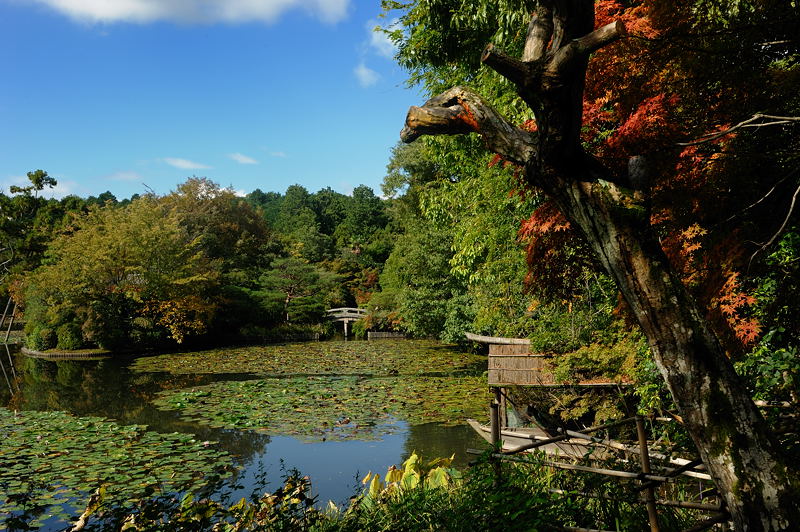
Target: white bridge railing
<point>346,315</point>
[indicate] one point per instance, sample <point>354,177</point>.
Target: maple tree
<point>647,219</point>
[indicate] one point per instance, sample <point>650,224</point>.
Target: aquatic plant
<point>318,408</point>
<point>384,357</point>
<point>50,463</point>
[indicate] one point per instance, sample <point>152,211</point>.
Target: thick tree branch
<point>517,72</point>
<point>434,121</point>
<point>579,49</point>
<point>526,73</point>
<point>458,111</point>
<point>540,30</point>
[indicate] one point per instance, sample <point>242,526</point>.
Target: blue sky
<point>119,94</point>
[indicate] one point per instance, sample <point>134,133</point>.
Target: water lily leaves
<point>384,357</point>
<point>52,460</point>
<point>316,408</point>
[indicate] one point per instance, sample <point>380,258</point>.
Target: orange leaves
<point>690,238</point>
<point>636,19</point>
<point>683,250</point>
<point>733,303</point>
<point>747,331</point>
<point>557,258</point>
<point>530,125</point>
<point>706,268</point>
<point>547,218</point>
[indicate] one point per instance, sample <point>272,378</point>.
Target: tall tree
<point>22,235</point>
<point>604,205</point>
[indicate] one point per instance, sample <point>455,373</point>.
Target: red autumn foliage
<point>649,126</point>
<point>643,95</point>
<point>545,219</point>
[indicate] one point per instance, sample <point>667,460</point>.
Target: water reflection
<point>107,388</point>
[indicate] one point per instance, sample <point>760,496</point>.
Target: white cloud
<point>125,176</point>
<point>195,11</point>
<point>240,193</point>
<point>379,41</point>
<point>365,75</point>
<point>242,159</point>
<point>281,154</point>
<point>345,187</point>
<point>184,164</point>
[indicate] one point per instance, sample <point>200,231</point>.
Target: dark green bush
<point>69,337</point>
<point>41,339</point>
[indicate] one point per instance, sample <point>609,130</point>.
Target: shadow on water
<point>108,388</point>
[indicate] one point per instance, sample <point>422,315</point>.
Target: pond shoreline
<point>67,355</point>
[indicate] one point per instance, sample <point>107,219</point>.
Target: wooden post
<point>503,408</point>
<point>345,328</point>
<point>495,422</point>
<point>649,493</point>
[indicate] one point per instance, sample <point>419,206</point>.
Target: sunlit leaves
<point>117,264</point>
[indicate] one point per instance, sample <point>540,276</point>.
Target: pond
<point>175,422</point>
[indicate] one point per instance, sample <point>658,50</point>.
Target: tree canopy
<point>684,228</point>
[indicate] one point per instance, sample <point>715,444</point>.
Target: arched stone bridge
<point>346,315</point>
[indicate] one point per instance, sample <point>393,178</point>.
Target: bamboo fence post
<point>495,419</point>
<point>649,492</point>
<point>501,396</point>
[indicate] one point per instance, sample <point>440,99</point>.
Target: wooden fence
<point>648,482</point>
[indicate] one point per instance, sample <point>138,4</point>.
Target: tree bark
<point>745,460</point>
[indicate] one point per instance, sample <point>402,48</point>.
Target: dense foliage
<point>724,208</point>
<point>197,265</point>
<point>460,244</point>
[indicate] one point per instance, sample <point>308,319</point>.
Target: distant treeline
<point>199,265</point>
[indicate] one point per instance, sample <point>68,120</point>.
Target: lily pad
<point>316,408</point>
<point>384,357</point>
<point>51,460</point>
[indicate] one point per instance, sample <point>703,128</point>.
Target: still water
<point>111,389</point>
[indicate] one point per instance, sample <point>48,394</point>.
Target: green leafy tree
<point>365,216</point>
<point>330,209</point>
<point>303,289</point>
<point>576,135</point>
<point>121,277</point>
<point>417,278</point>
<point>268,204</point>
<point>24,227</point>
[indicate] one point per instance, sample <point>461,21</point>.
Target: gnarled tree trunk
<point>743,457</point>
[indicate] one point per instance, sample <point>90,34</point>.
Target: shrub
<point>360,328</point>
<point>69,337</point>
<point>41,339</point>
